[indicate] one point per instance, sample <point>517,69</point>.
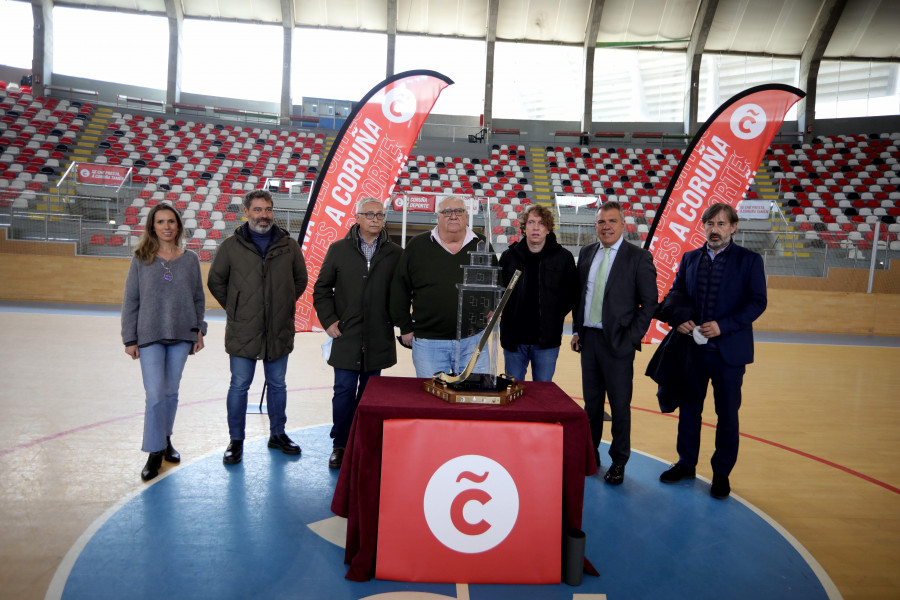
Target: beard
<point>260,225</point>
<point>717,242</point>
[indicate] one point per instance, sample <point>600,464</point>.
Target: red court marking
<point>122,418</point>
<point>847,470</point>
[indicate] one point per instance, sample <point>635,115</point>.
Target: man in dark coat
<point>532,322</point>
<point>727,284</point>
<point>351,300</point>
<point>617,301</point>
<point>257,276</point>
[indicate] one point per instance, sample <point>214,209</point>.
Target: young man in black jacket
<point>532,322</point>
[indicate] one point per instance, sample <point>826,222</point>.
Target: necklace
<point>167,275</point>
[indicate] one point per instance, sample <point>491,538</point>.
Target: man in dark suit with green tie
<point>617,300</point>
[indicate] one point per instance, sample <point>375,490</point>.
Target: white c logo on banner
<point>471,504</point>
<point>85,172</point>
<point>399,105</point>
<point>748,121</point>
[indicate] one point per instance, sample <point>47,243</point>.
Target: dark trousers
<point>604,375</point>
<point>348,389</point>
<point>726,383</point>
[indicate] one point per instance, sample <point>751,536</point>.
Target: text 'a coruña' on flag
<point>718,166</point>
<point>365,161</point>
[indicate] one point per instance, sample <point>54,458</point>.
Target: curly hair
<point>542,211</point>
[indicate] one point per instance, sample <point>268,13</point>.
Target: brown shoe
<point>336,458</point>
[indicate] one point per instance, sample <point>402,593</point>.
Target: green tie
<point>596,313</point>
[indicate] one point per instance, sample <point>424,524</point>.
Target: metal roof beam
<point>490,40</point>
<point>287,24</point>
<point>592,30</point>
<point>42,47</point>
<point>700,32</point>
<point>175,16</point>
<point>811,60</point>
<point>391,38</point>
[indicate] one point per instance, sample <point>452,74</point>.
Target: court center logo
<point>748,121</point>
<point>471,504</point>
<point>399,105</point>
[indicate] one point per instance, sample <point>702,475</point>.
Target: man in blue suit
<point>616,303</point>
<point>727,284</point>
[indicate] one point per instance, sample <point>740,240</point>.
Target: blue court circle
<point>210,531</point>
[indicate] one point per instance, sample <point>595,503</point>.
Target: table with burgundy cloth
<point>358,489</point>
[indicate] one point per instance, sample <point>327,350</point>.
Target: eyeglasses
<point>453,211</point>
<point>371,215</point>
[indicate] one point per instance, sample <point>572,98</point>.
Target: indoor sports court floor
<point>815,510</point>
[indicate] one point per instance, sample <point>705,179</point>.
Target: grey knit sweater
<point>154,309</point>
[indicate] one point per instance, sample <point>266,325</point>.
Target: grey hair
<point>611,205</point>
<point>447,199</point>
<point>365,200</point>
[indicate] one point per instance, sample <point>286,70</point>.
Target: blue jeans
<point>348,389</point>
<point>434,356</point>
<point>543,362</point>
<point>161,368</point>
<point>242,370</point>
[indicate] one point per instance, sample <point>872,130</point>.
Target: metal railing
<point>791,253</point>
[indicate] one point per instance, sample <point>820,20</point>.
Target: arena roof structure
<point>856,29</point>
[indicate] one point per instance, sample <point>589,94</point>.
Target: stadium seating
<point>35,134</point>
<point>838,189</point>
<point>835,191</point>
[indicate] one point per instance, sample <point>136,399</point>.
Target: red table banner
<point>470,502</point>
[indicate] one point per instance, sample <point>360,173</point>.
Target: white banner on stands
<point>576,201</point>
<point>753,209</point>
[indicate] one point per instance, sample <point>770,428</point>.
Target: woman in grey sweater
<point>162,322</point>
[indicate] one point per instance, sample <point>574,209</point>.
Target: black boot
<point>151,469</point>
<point>234,452</point>
<point>171,454</point>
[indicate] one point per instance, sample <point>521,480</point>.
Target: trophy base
<point>474,391</point>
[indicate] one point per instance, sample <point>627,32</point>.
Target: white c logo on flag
<point>85,172</point>
<point>748,121</point>
<point>471,504</point>
<point>399,105</point>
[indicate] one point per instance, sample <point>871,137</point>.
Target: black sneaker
<point>677,473</point>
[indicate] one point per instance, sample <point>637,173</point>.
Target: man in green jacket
<point>351,301</point>
<point>426,280</point>
<point>257,276</point>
